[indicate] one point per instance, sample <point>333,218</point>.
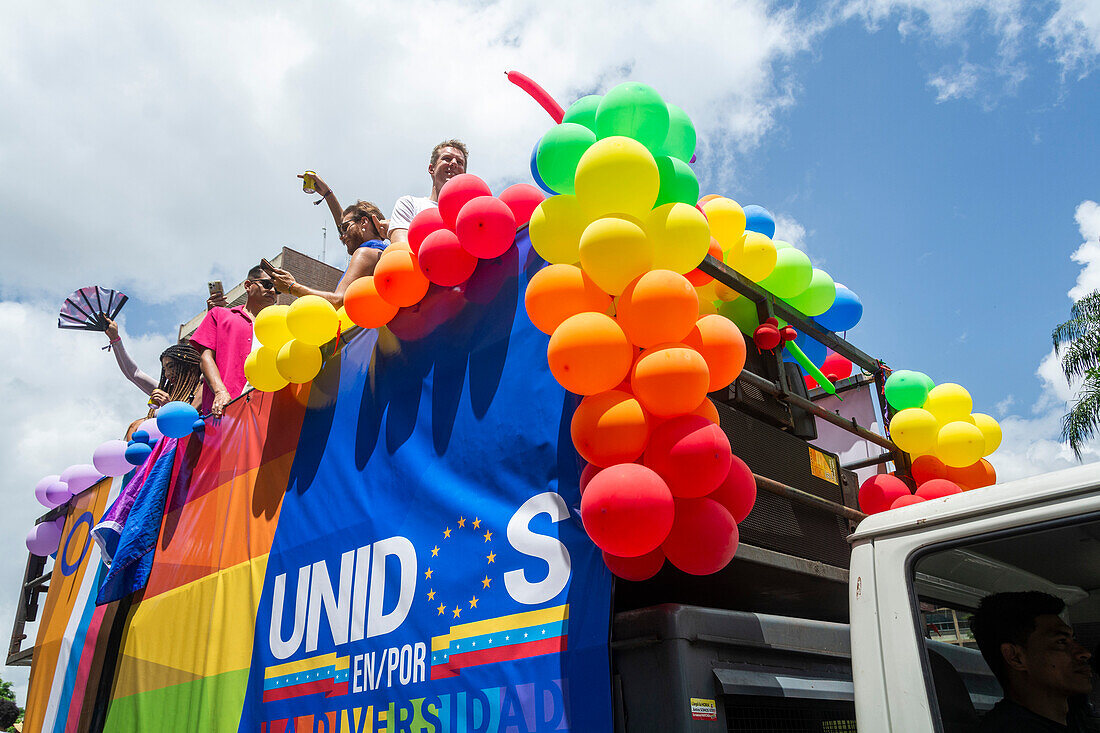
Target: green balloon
<point>634,110</point>
<point>678,182</point>
<point>583,111</point>
<point>742,312</point>
<point>905,388</point>
<point>780,244</point>
<point>559,152</point>
<point>680,141</point>
<point>817,297</point>
<point>792,274</point>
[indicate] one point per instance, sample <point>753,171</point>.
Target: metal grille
<point>768,715</point>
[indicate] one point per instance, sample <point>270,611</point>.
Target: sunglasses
<point>265,284</point>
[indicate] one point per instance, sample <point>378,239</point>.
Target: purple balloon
<point>40,490</point>
<point>57,494</point>
<point>60,524</point>
<point>150,426</point>
<point>43,539</point>
<point>110,458</point>
<point>80,477</point>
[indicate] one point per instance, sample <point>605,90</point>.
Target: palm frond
<point>1083,418</point>
<point>1085,317</point>
<point>1082,354</point>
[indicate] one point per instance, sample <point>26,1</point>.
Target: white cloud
<point>788,229</point>
<point>962,82</point>
<point>1074,32</point>
<point>1088,254</point>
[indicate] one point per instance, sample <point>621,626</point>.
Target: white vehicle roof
<point>991,500</point>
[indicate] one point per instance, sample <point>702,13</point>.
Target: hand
<point>382,226</point>
<point>284,281</point>
<point>319,186</point>
<point>217,300</point>
<point>111,330</point>
<point>159,397</point>
<point>221,399</point>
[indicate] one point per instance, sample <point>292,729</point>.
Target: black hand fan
<point>89,308</point>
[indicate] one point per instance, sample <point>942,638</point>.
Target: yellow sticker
<point>703,709</point>
<point>824,466</point>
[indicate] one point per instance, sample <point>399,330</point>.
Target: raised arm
<point>362,264</point>
<point>325,192</point>
<point>129,369</point>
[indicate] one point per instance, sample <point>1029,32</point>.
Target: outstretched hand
<point>111,330</point>
<point>284,281</point>
<point>319,186</point>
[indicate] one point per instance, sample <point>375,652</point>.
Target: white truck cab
<point>1040,533</point>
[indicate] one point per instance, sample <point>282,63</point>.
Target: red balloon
<point>691,454</point>
<point>974,476</point>
<point>703,538</point>
<point>878,493</point>
<point>587,474</point>
<point>442,259</point>
<point>737,492</point>
<point>766,337</point>
<point>456,192</point>
<point>627,510</point>
<point>907,500</point>
<point>423,224</point>
<point>522,199</point>
<point>697,277</point>
<point>836,367</point>
<point>928,467</point>
<point>937,487</point>
<point>486,227</point>
<point>635,568</point>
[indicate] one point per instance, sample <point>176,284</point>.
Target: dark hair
<point>363,210</point>
<point>9,713</point>
<point>456,144</point>
<point>1009,617</point>
<point>256,273</point>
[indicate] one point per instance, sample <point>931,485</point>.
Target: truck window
<point>1061,559</point>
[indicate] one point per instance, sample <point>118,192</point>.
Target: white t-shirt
<point>406,208</point>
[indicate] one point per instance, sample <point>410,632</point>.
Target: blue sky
<point>936,156</point>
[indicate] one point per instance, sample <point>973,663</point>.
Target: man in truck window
<point>1038,662</point>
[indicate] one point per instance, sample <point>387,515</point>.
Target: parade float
<point>416,518</point>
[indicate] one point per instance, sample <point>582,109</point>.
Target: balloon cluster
<point>445,245</point>
<point>948,442</point>
<point>619,301</point>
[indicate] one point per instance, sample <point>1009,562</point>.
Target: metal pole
<point>803,497</point>
<point>868,462</point>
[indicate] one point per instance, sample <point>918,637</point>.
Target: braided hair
<point>187,376</point>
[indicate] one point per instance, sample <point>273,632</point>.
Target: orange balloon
<point>398,278</point>
<point>365,306</point>
<point>559,291</point>
<point>589,353</point>
<point>697,277</point>
<point>709,197</point>
<point>974,476</point>
<point>659,307</point>
<point>609,428</point>
<point>707,409</point>
<point>720,342</point>
<point>670,379</point>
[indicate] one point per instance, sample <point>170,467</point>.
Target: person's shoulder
<point>1008,717</point>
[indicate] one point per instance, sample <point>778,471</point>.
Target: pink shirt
<point>228,332</point>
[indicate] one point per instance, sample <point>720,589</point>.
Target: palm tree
<point>1080,339</point>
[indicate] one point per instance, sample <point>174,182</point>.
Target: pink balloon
<point>627,510</point>
<point>43,539</point>
<point>110,458</point>
<point>443,260</point>
<point>456,192</point>
<point>485,227</point>
<point>737,492</point>
<point>907,500</point>
<point>703,538</point>
<point>522,199</point>
<point>40,490</point>
<point>423,224</point>
<point>691,454</point>
<point>635,568</point>
<point>80,477</point>
<point>937,488</point>
<point>57,494</point>
<point>878,493</point>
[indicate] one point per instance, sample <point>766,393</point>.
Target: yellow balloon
<point>991,429</point>
<point>950,402</point>
<point>725,292</point>
<point>617,175</point>
<point>959,444</point>
<point>680,237</point>
<point>343,320</point>
<point>614,251</point>
<point>298,362</point>
<point>914,431</point>
<point>706,292</point>
<point>757,257</point>
<point>707,308</point>
<point>312,320</point>
<point>270,326</point>
<point>261,371</point>
<point>555,229</point>
<point>727,222</point>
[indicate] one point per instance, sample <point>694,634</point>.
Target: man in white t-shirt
<point>448,160</point>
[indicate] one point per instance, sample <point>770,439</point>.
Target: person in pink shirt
<point>224,340</point>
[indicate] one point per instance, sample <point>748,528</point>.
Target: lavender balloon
<point>150,427</point>
<point>40,490</point>
<point>110,458</point>
<point>57,494</point>
<point>43,539</point>
<point>80,477</point>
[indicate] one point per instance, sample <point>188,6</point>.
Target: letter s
<point>542,546</point>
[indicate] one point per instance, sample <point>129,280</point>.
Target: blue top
<point>377,244</point>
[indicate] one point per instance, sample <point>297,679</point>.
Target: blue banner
<point>430,571</point>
